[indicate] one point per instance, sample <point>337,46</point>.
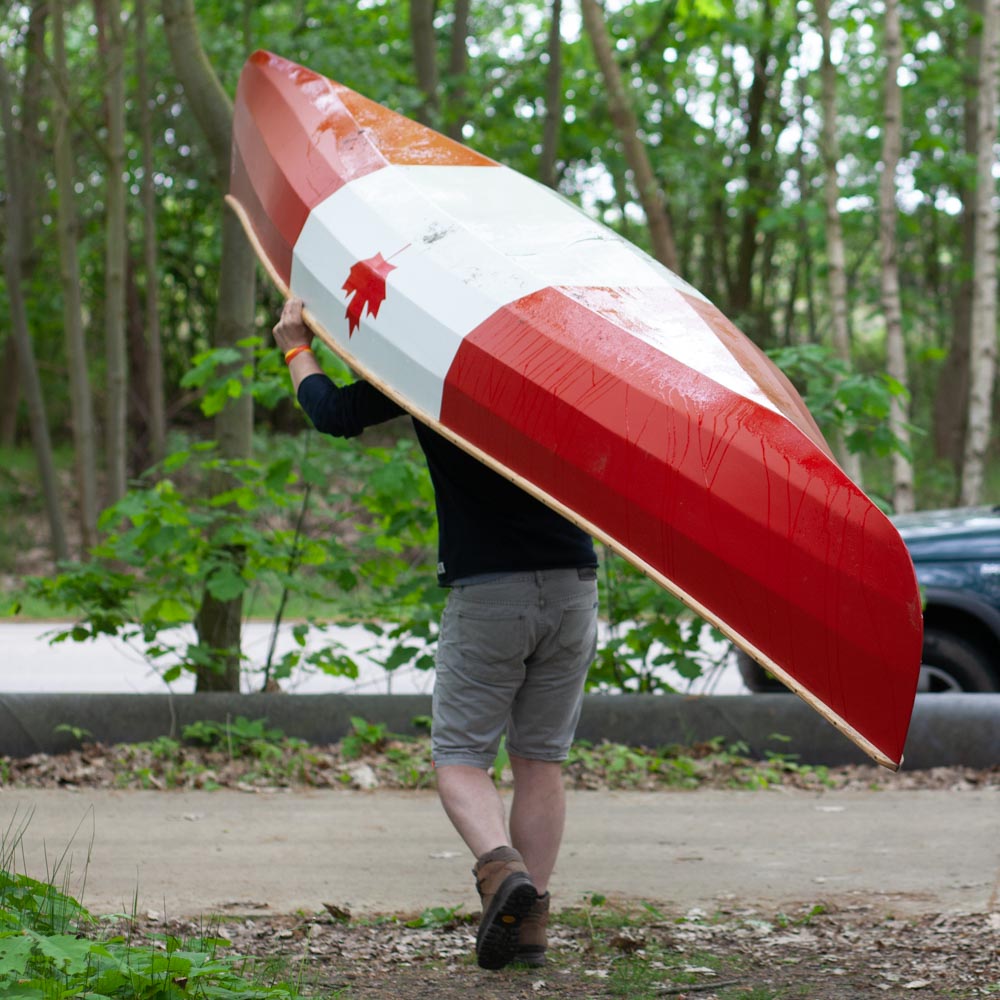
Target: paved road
<point>110,665</point>
<point>189,854</point>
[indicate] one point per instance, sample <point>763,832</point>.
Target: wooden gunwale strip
<point>311,321</point>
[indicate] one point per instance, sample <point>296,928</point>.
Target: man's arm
<point>343,411</point>
<point>291,332</point>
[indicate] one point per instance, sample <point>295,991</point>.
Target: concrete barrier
<point>953,729</point>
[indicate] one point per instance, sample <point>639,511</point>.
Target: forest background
<point>825,172</point>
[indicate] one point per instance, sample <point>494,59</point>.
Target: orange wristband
<point>295,352</point>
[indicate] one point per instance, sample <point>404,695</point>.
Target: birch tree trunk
<point>553,100</point>
<point>13,260</point>
<point>425,58</point>
<point>983,353</point>
<point>837,257</point>
<point>154,345</point>
<point>902,466</point>
<point>219,622</point>
<point>116,418</point>
<point>623,115</point>
<point>81,399</point>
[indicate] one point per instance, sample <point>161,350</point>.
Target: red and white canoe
<point>566,358</point>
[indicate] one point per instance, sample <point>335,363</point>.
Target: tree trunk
<point>10,393</point>
<point>157,420</point>
<point>458,68</point>
<point>553,100</point>
<point>756,193</point>
<point>13,260</point>
<point>112,48</point>
<point>951,402</point>
<point>837,257</point>
<point>33,194</point>
<point>983,353</point>
<point>425,58</point>
<point>793,334</point>
<point>892,126</point>
<point>81,400</point>
<point>218,623</point>
<point>623,115</point>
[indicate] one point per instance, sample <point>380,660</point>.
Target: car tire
<point>952,663</point>
<point>756,678</point>
<point>949,663</point>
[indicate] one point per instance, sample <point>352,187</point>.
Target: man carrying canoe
<point>516,640</point>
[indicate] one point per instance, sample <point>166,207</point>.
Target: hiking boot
<point>532,939</point>
<point>507,893</point>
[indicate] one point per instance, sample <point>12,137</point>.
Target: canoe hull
<point>570,361</point>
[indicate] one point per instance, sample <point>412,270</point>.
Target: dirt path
<point>830,885</point>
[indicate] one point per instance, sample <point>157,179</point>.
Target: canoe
<point>567,359</point>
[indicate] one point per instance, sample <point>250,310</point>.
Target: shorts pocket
<point>488,634</point>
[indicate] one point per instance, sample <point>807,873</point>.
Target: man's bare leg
<point>473,804</point>
<point>538,815</point>
<point>537,819</point>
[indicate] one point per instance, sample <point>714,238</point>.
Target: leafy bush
<point>275,526</point>
<point>45,951</point>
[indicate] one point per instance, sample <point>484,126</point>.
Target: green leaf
<point>226,583</point>
<point>170,611</point>
<point>15,951</point>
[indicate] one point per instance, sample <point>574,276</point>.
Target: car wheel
<point>756,678</point>
<point>952,663</point>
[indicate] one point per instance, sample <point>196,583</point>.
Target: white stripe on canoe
<point>466,241</point>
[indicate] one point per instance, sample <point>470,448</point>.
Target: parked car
<point>956,554</point>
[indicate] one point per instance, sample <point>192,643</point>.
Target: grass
<point>52,947</point>
<point>640,966</point>
<point>623,766</point>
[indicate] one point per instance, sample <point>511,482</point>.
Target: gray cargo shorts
<point>513,654</point>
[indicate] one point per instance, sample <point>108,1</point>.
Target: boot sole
<point>535,958</point>
<point>496,942</point>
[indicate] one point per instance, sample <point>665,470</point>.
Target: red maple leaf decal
<point>366,283</point>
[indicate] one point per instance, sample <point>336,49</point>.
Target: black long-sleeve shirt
<point>486,524</point>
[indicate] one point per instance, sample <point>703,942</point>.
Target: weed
<point>634,979</point>
<point>441,916</point>
<point>79,734</point>
<point>501,763</point>
<point>411,765</point>
<point>47,949</point>
<point>422,723</point>
<point>365,737</point>
<point>240,736</point>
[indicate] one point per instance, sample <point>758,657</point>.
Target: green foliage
<point>854,403</point>
<point>502,761</point>
<point>364,738</point>
<point>618,765</point>
<point>649,632</point>
<point>239,736</point>
<point>78,733</point>
<point>46,950</point>
<point>441,916</point>
<point>201,523</point>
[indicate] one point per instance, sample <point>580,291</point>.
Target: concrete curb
<point>947,730</point>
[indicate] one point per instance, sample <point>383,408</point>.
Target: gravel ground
<point>605,949</point>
